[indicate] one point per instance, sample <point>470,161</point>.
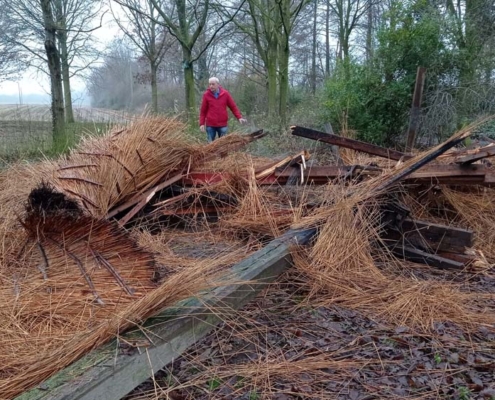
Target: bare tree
<point>75,20</point>
<point>269,24</point>
<point>72,23</point>
<point>186,21</point>
<point>10,56</point>
<point>111,84</point>
<point>473,30</point>
<point>148,35</point>
<point>348,14</point>
<point>53,60</point>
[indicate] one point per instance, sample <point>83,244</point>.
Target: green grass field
<point>25,130</point>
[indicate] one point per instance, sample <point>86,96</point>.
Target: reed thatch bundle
<point>71,279</point>
<point>341,267</point>
<point>258,212</point>
<point>105,171</point>
<point>476,210</point>
<point>64,331</point>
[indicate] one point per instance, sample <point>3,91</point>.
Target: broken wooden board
<point>418,256</point>
<point>349,143</point>
<point>432,237</point>
<point>106,373</point>
<point>437,237</point>
<point>432,174</point>
<point>475,155</point>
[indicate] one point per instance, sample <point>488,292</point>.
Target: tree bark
<point>271,67</point>
<point>313,52</point>
<point>154,89</point>
<point>189,83</point>
<point>53,57</point>
<point>327,40</point>
<point>284,80</point>
<point>153,59</point>
<point>62,40</point>
<point>369,35</point>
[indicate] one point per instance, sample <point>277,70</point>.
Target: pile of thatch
<point>71,278</point>
<point>347,266</point>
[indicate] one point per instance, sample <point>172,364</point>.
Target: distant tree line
<point>351,63</point>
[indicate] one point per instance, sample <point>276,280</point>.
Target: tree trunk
<point>369,35</point>
<point>346,59</point>
<point>471,45</point>
<point>313,62</point>
<point>327,40</point>
<point>272,86</point>
<point>69,113</point>
<point>153,58</point>
<point>189,83</point>
<point>154,89</point>
<point>53,57</point>
<point>60,14</point>
<point>284,80</point>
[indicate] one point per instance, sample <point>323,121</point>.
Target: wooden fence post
<point>415,109</point>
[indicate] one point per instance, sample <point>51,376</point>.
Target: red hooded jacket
<point>214,111</point>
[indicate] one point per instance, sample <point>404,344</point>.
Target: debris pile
<point>140,218</point>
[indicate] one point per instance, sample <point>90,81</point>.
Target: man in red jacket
<point>213,115</point>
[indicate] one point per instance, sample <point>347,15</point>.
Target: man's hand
<point>202,128</point>
<point>242,121</point>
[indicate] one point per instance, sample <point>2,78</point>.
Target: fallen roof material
<point>141,193</point>
<point>110,373</point>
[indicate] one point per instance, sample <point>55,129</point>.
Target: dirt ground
<point>280,347</point>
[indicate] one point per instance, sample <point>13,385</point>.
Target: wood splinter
<point>82,269</point>
<point>104,262</point>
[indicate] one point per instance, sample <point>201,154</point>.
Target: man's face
<point>213,86</point>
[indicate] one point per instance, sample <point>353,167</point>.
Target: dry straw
<point>70,279</point>
<point>342,268</point>
<point>49,323</point>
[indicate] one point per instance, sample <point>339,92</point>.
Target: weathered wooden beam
<point>106,374</point>
<point>415,108</point>
<point>432,237</point>
<point>349,143</point>
<point>478,154</point>
<point>465,259</point>
<point>451,174</point>
<point>436,237</point>
<point>282,164</point>
<point>422,257</point>
<point>419,163</point>
<point>145,196</point>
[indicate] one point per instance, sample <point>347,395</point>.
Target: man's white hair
<point>213,79</point>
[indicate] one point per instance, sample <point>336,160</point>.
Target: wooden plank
<point>476,174</point>
<point>349,143</point>
<point>105,375</point>
<point>145,196</point>
<point>434,237</point>
<point>281,164</point>
<point>479,154</point>
<point>465,259</point>
<point>419,163</point>
<point>422,257</point>
<point>415,108</point>
<point>438,237</point>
